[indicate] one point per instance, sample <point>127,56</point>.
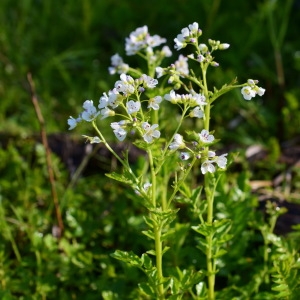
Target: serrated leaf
<point>119,177</point>
<point>147,261</point>
<point>147,289</point>
<point>149,221</point>
<point>128,257</point>
<point>203,229</point>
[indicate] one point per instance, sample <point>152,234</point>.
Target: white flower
<point>90,111</point>
<point>141,39</point>
<point>125,85</point>
<point>133,107</point>
<point>203,48</point>
<point>172,97</point>
<point>181,65</point>
<point>248,93</point>
<point>136,40</point>
<point>149,82</point>
<point>178,142</point>
<point>260,91</point>
<point>222,161</point>
<point>146,186</point>
<point>166,51</point>
<point>92,140</point>
<point>207,166</point>
<point>150,132</point>
<point>196,113</point>
<point>194,28</point>
<point>114,98</point>
<point>118,130</point>
<point>103,101</point>
<point>73,122</point>
<point>199,98</point>
<point>146,125</point>
<point>118,66</point>
<point>184,155</point>
<point>182,38</point>
<point>106,112</point>
<point>200,58</point>
<point>155,40</point>
<point>205,137</point>
<point>159,72</point>
<point>154,102</point>
<point>211,153</point>
<point>179,43</point>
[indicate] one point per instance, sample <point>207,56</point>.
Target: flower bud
<point>214,64</point>
<point>224,46</point>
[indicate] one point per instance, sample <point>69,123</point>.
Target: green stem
<point>210,263</point>
<point>163,160</point>
<point>181,181</point>
<point>210,193</point>
<point>207,106</point>
<point>124,164</point>
<point>157,231</point>
<point>158,253</point>
<point>153,178</point>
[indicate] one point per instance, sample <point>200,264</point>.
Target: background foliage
<point>66,46</point>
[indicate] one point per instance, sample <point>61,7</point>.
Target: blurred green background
<point>66,46</point>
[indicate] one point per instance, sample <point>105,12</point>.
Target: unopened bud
<point>224,46</point>
<point>214,64</point>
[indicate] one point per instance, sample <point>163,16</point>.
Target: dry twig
<point>48,153</point>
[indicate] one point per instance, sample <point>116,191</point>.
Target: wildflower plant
<point>138,105</point>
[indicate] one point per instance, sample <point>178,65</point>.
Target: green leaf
<point>283,294</point>
<point>219,253</point>
<point>203,229</point>
<point>147,261</point>
<point>151,252</point>
<point>150,222</point>
<point>196,193</point>
<point>202,245</point>
<point>280,287</point>
<point>147,289</point>
<point>201,289</point>
<point>167,234</point>
<point>120,177</point>
<point>165,250</point>
<point>149,234</point>
<point>128,257</point>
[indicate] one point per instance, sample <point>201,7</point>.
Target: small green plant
<point>182,163</point>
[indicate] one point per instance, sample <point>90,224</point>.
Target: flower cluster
<point>193,100</point>
<point>208,164</point>
<point>188,35</point>
<point>119,96</point>
<point>126,93</point>
<point>118,65</point>
<point>251,90</point>
<point>141,39</point>
<point>208,157</point>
